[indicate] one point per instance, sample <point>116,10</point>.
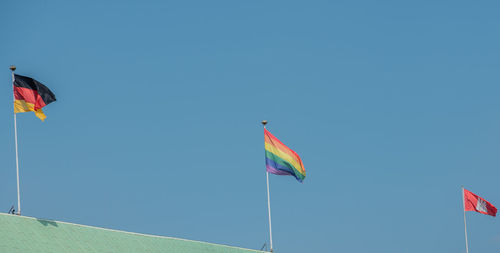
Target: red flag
<point>472,202</point>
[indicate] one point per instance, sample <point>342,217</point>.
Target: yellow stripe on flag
<point>23,106</point>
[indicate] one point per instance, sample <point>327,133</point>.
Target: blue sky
<point>392,106</point>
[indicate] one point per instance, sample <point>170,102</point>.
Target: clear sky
<point>392,106</point>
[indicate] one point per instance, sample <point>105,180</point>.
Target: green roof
<point>20,234</point>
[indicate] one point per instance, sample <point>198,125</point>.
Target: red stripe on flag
<point>30,96</point>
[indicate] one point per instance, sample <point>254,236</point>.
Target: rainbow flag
<point>281,160</point>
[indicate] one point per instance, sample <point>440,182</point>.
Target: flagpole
<point>465,222</point>
<point>13,68</point>
<point>264,122</point>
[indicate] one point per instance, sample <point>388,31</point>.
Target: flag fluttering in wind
<point>31,96</point>
<point>472,202</point>
<point>281,160</point>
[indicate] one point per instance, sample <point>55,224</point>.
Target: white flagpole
<point>13,68</point>
<point>269,212</point>
<point>264,122</point>
<point>465,222</point>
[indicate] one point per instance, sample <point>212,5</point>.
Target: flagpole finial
<point>12,67</point>
<point>264,122</point>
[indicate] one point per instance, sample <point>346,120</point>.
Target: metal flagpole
<point>264,122</point>
<point>13,68</point>
<point>465,222</point>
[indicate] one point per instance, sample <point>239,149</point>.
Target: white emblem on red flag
<point>481,206</point>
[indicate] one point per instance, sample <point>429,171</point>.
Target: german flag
<point>31,96</point>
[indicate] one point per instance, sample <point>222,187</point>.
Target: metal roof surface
<point>20,234</point>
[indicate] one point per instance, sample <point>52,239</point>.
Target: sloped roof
<point>20,234</point>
